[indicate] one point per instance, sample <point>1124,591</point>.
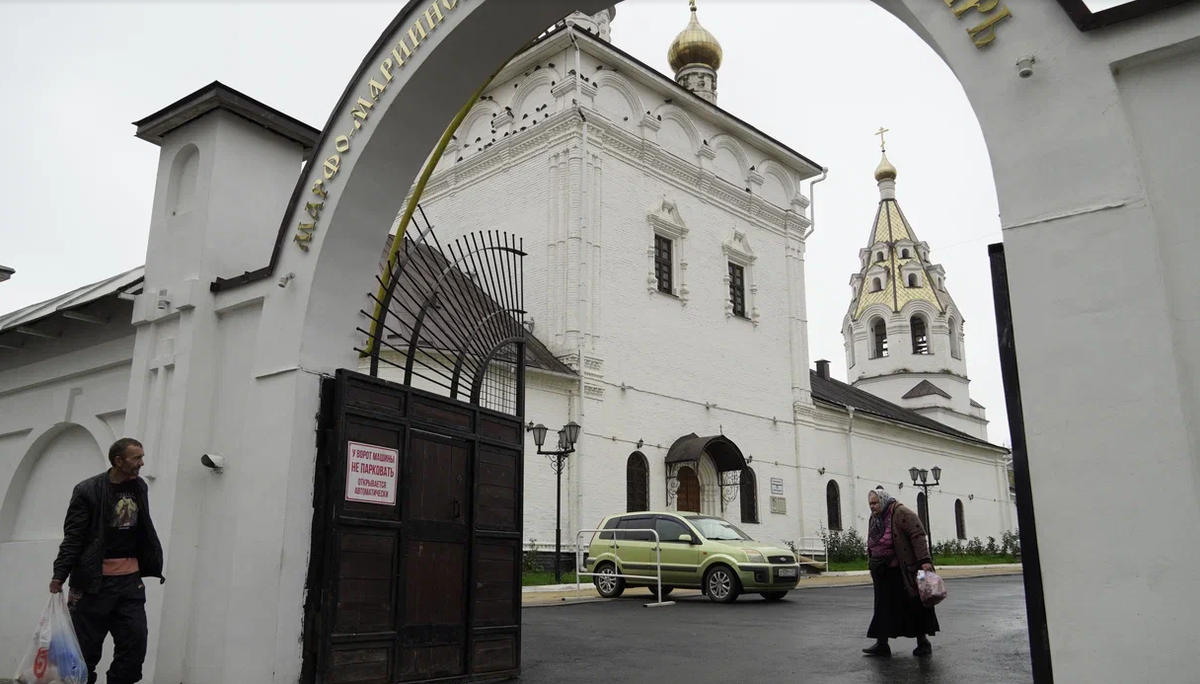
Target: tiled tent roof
<point>839,393</point>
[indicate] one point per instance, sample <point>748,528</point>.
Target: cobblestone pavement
<point>814,635</point>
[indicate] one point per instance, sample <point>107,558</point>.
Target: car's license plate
<point>787,572</point>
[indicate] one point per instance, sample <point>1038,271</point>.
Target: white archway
<point>438,52</point>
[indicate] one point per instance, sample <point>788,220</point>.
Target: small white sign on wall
<point>371,473</point>
<point>777,486</point>
<point>778,505</point>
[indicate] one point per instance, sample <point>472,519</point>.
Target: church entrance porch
<point>704,473</point>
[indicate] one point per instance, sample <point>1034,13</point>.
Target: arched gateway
<point>234,335</point>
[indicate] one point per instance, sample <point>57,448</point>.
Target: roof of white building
<point>836,392</point>
<point>129,282</point>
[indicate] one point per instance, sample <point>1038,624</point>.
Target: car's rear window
<point>611,524</point>
<point>639,523</point>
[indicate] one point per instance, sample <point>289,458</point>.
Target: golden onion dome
<point>695,45</point>
<point>885,171</point>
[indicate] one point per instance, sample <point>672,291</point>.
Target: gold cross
<point>880,132</point>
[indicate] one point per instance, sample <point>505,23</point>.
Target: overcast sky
<point>820,75</point>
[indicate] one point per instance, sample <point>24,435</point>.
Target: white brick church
<point>665,271</point>
<point>666,249</point>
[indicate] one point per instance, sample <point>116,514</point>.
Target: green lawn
<point>538,579</point>
<point>938,561</point>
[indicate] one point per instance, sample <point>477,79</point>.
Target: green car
<point>698,552</point>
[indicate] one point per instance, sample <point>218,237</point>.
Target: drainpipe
<point>812,201</point>
<point>850,465</point>
<point>584,207</point>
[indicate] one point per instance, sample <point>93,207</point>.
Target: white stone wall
<point>58,416</point>
<point>882,455</point>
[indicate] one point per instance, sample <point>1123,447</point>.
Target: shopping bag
<point>53,656</point>
<point>931,587</point>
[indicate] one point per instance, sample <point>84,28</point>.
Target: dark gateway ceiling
<point>1086,20</point>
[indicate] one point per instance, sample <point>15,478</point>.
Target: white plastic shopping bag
<point>54,656</point>
<point>932,588</point>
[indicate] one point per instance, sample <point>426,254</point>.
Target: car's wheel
<point>722,584</point>
<point>774,595</point>
<point>607,583</point>
<point>666,591</point>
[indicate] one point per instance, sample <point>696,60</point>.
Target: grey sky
<point>820,75</point>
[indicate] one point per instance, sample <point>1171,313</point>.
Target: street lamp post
<point>923,475</point>
<point>567,437</point>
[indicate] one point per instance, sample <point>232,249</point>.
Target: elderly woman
<point>898,547</point>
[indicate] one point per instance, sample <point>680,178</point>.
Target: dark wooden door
<point>415,565</point>
<point>688,496</point>
<point>434,562</point>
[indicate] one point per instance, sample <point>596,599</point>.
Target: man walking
<point>109,545</point>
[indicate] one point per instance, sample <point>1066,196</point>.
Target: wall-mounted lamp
<point>1025,66</point>
<point>821,471</point>
<point>640,443</point>
<point>164,300</point>
<point>971,497</point>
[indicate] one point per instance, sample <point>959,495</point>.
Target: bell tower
<point>903,332</point>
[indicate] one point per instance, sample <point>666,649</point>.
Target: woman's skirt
<point>896,613</point>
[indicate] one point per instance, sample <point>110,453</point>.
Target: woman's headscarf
<point>878,522</point>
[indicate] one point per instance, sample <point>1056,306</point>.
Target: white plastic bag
<point>932,588</point>
<point>54,656</point>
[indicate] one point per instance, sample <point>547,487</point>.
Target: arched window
<point>850,346</point>
<point>920,336</point>
<point>879,343</point>
<point>637,483</point>
<point>954,351</point>
<point>833,505</point>
<point>687,497</point>
<point>923,510</point>
<point>960,521</point>
<point>904,253</point>
<point>878,257</point>
<point>876,285</point>
<point>748,493</point>
<point>913,281</point>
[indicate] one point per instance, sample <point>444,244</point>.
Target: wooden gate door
<point>415,569</point>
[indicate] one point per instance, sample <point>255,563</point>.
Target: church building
<point>666,245</point>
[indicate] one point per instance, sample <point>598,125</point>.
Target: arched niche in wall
<point>181,191</point>
<point>36,502</point>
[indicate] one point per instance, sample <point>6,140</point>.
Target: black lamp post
<point>923,475</point>
<point>567,437</point>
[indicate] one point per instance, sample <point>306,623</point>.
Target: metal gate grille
<point>452,318</point>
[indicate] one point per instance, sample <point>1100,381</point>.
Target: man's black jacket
<point>81,554</point>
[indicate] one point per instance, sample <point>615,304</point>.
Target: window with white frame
<point>667,273</point>
<point>739,277</point>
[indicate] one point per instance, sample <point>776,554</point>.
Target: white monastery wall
<point>58,416</point>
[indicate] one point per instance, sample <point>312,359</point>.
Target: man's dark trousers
<point>118,608</point>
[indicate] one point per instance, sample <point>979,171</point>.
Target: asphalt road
<point>814,635</point>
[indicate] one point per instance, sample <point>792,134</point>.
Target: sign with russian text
<point>777,485</point>
<point>371,473</point>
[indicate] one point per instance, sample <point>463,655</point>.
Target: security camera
<point>1025,66</point>
<point>285,279</point>
<point>213,461</point>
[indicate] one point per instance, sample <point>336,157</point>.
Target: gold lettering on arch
<point>985,32</point>
<point>360,108</point>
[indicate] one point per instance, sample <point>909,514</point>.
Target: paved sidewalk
<point>564,594</point>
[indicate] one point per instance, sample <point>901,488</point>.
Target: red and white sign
<point>371,473</point>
